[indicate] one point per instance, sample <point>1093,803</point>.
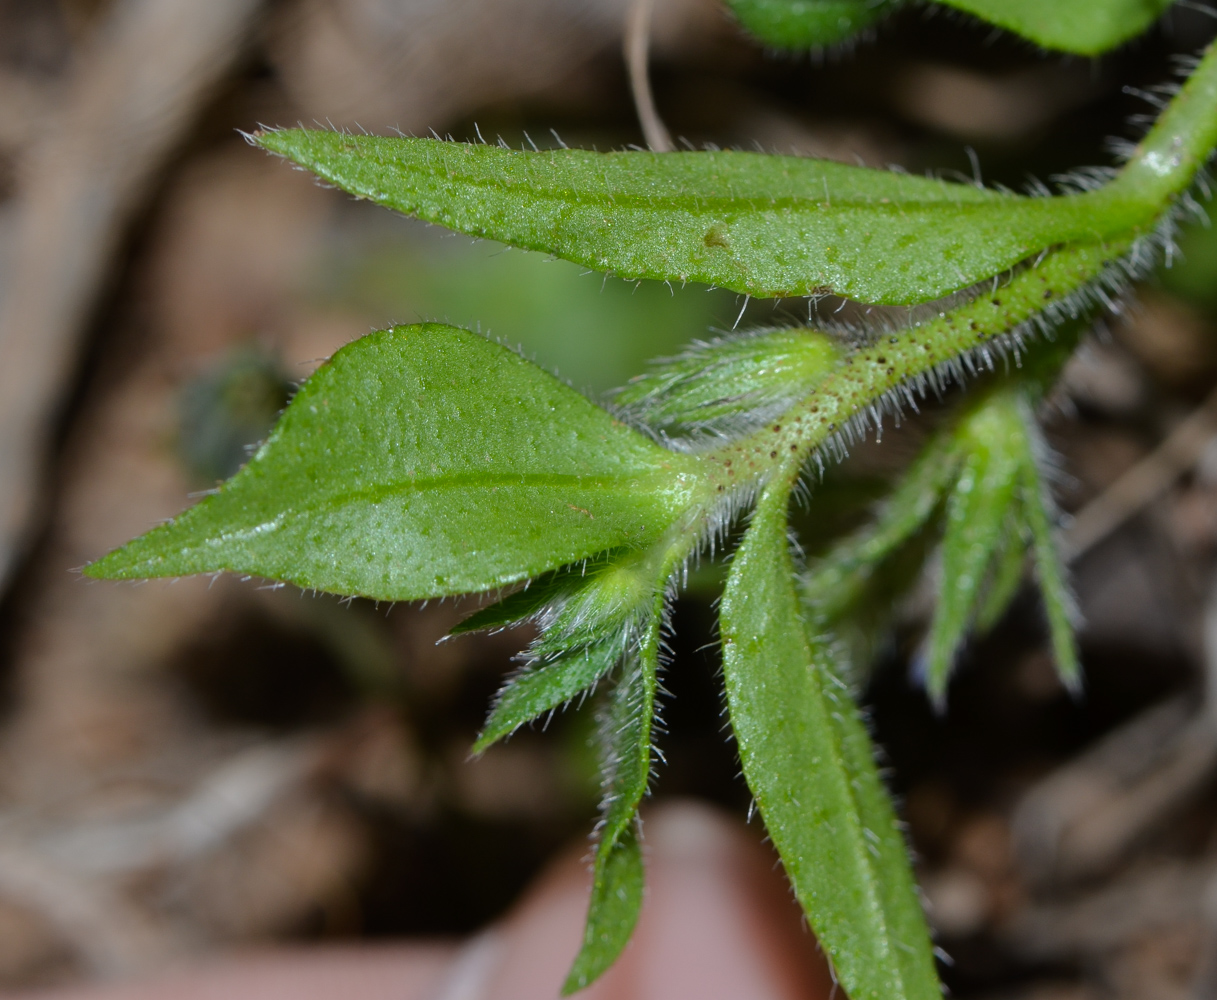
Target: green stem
<point>1163,166</point>
<point>1166,161</point>
<point>867,374</point>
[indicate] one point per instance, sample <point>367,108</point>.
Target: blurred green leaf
<point>809,763</point>
<point>1005,575</point>
<point>834,582</point>
<point>1059,605</point>
<point>808,24</point>
<point>1083,27</point>
<point>764,225</point>
<point>594,333</point>
<point>424,461</point>
<point>977,509</point>
<point>226,411</point>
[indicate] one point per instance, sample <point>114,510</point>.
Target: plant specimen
<point>426,461</point>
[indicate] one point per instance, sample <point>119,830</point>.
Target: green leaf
<point>1059,606</point>
<point>617,886</point>
<point>835,582</point>
<point>540,688</point>
<point>809,763</point>
<point>753,223</point>
<point>598,617</point>
<point>1084,27</point>
<point>732,384</point>
<point>977,509</point>
<point>807,24</point>
<point>525,603</point>
<point>423,461</point>
<point>1005,573</point>
<point>617,874</point>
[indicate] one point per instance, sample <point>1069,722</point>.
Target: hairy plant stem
<point>1161,169</point>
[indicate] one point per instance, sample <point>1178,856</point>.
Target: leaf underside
<point>808,761</point>
<point>424,461</point>
<point>754,223</point>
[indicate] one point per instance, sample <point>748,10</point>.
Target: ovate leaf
<point>617,874</point>
<point>807,24</point>
<point>809,763</point>
<point>1085,27</point>
<point>422,461</point>
<point>759,224</point>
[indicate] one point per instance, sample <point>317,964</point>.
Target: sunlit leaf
<point>764,225</point>
<point>422,461</point>
<point>809,763</point>
<point>807,24</point>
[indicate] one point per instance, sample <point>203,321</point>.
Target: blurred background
<point>188,768</point>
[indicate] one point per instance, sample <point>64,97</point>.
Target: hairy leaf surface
<point>543,687</point>
<point>732,383</point>
<point>617,873</point>
<point>809,763</point>
<point>759,224</point>
<point>422,461</point>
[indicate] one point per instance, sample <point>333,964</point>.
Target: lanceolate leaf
<point>807,24</point>
<point>1054,588</point>
<point>1085,27</point>
<point>835,581</point>
<point>977,511</point>
<point>764,225</point>
<point>617,887</point>
<point>423,461</point>
<point>808,762</point>
<point>542,687</point>
<point>617,875</point>
<point>1005,573</point>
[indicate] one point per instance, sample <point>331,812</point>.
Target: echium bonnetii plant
<point>425,461</point>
